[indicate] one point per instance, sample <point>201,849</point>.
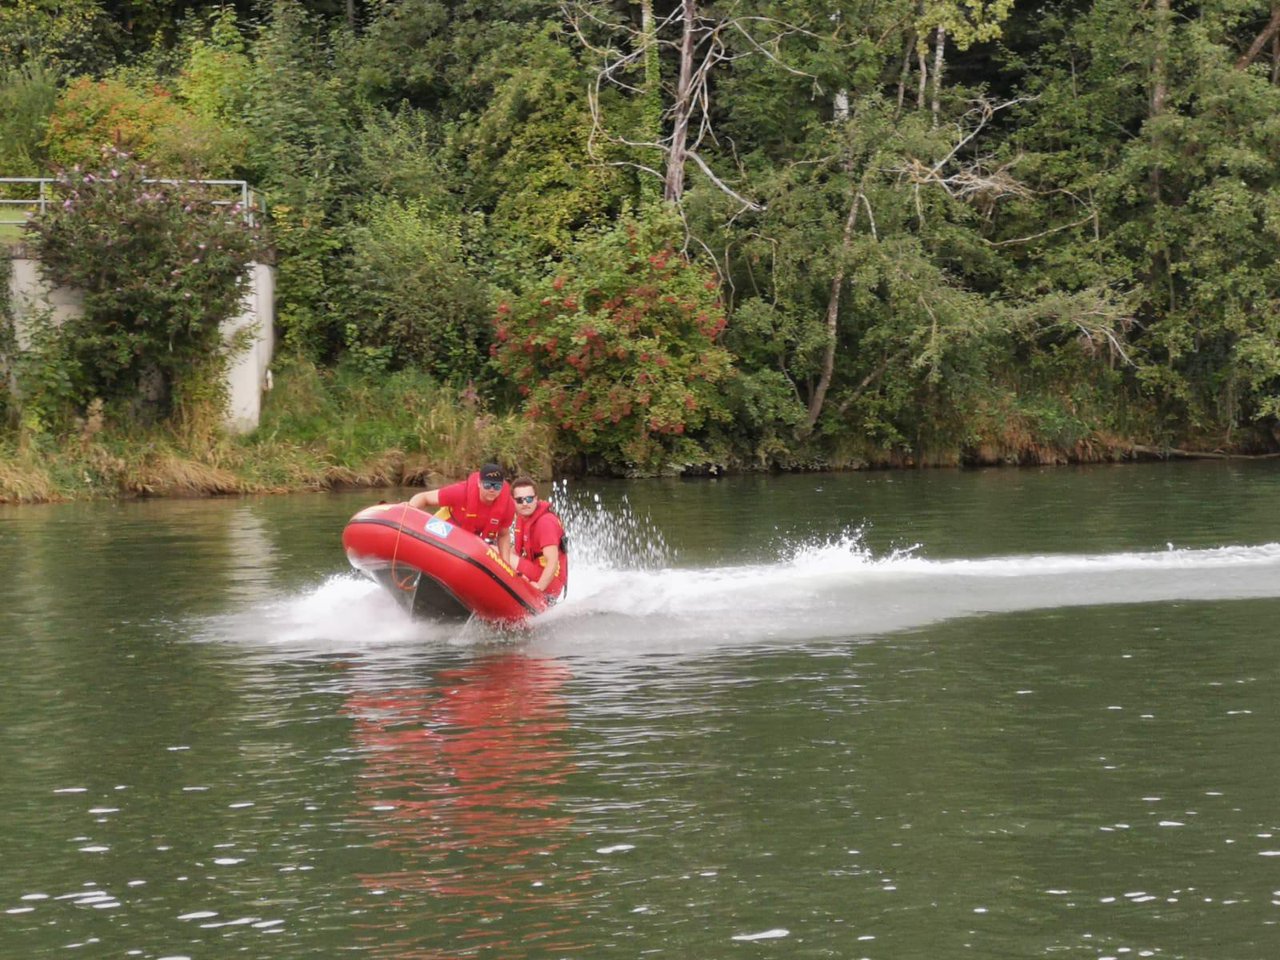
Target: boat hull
<point>435,569</point>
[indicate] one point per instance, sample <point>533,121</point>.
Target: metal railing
<point>252,204</point>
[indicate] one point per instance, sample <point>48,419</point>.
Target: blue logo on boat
<point>441,528</point>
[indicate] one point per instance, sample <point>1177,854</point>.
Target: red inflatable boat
<point>435,568</point>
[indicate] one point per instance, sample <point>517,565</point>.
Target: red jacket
<point>467,510</point>
<point>534,533</point>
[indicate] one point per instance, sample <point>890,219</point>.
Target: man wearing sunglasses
<point>541,550</point>
<point>481,504</point>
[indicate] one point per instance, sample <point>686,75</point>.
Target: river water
<point>888,715</point>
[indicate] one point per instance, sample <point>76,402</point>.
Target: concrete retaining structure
<point>249,375</point>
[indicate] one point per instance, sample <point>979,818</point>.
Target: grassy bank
<point>320,430</point>
<point>327,429</point>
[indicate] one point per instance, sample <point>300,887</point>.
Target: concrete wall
<point>250,371</point>
<point>29,295</point>
<point>249,374</point>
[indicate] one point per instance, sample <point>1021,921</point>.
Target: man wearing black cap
<point>481,504</point>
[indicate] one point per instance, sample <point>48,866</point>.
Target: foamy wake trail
<point>629,594</point>
<point>840,589</point>
<point>346,614</point>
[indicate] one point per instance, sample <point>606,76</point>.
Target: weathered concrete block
<point>31,296</point>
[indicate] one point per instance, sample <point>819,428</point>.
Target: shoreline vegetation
<point>333,430</point>
<point>169,464</point>
<point>638,239</point>
<point>322,430</point>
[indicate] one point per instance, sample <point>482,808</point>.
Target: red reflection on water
<point>459,786</point>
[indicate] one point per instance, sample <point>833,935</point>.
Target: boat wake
<point>832,589</point>
<point>839,589</point>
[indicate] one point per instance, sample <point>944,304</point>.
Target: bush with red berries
<point>618,347</point>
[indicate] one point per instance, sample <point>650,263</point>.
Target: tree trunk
<point>682,108</point>
<point>919,46</point>
<point>1159,82</point>
<point>652,70</point>
<point>923,85</point>
<point>1159,95</point>
<point>937,74</point>
<point>905,72</point>
<point>1160,59</point>
<point>1275,51</point>
<point>651,112</point>
<point>819,396</point>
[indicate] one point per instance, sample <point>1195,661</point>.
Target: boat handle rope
<point>408,582</point>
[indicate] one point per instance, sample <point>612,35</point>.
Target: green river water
<point>989,714</point>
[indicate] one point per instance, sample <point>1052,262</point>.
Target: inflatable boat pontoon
<point>435,568</point>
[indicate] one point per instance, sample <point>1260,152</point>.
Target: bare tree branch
<point>868,380</point>
<point>702,165</point>
<point>1042,233</point>
<point>870,215</point>
<point>1255,48</point>
<point>737,25</point>
<point>984,109</point>
<point>702,45</point>
<point>975,180</point>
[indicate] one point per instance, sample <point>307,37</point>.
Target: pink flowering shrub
<point>160,266</point>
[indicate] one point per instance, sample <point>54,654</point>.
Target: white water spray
<point>841,588</point>
<point>609,538</point>
<point>629,593</point>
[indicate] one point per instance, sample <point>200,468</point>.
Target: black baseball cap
<point>491,471</point>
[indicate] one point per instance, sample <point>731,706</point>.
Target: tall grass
<point>399,428</point>
<point>24,477</point>
<point>319,430</point>
<point>28,93</point>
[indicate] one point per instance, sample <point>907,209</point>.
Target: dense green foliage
<point>957,230</point>
<point>413,297</point>
<point>618,349</point>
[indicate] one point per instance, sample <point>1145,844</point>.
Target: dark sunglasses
<point>526,499</point>
<point>491,484</point>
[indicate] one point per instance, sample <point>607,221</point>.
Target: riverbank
<point>321,430</point>
<point>164,465</point>
<point>325,429</point>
